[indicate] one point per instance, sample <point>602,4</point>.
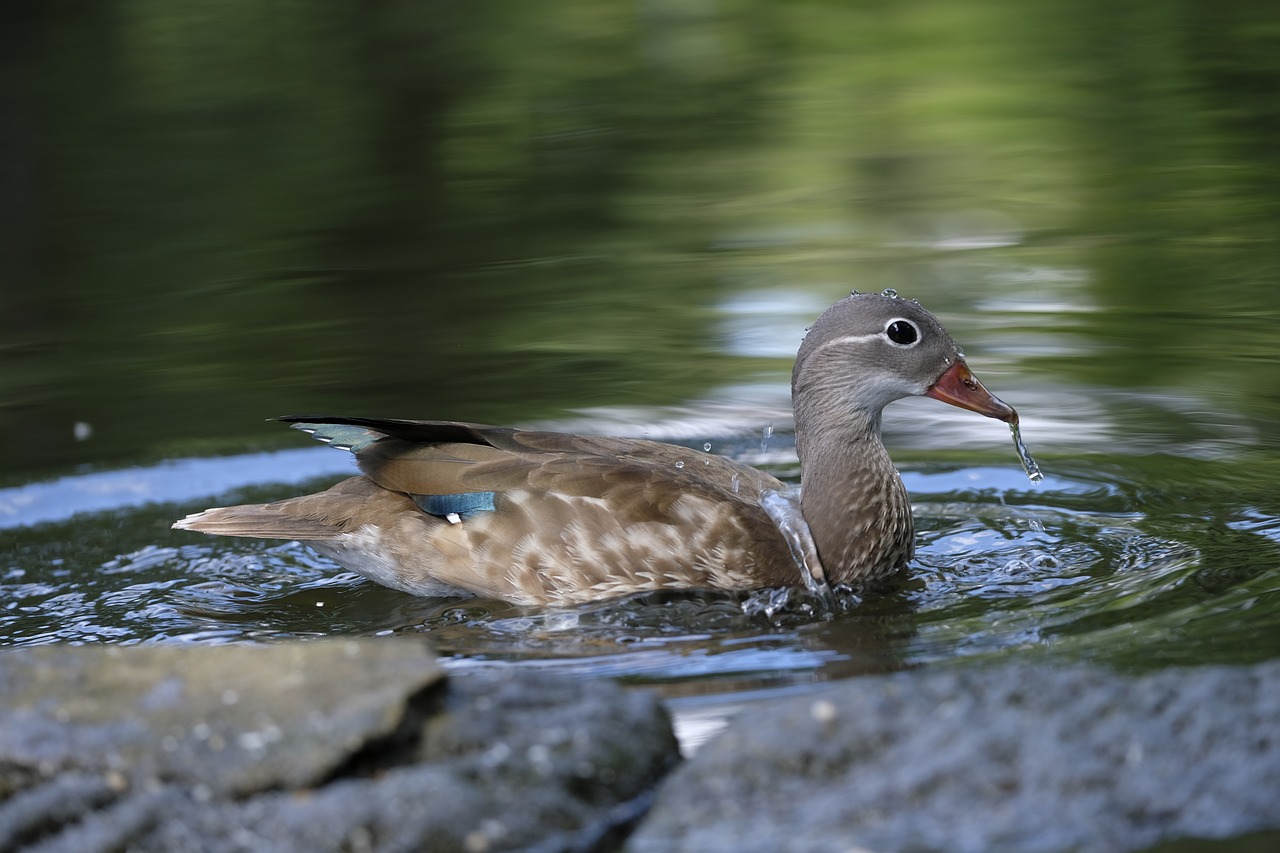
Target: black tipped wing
<point>429,432</point>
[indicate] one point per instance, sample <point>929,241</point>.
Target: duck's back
<point>528,516</point>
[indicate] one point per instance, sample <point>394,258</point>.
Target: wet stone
<point>206,716</point>
<point>323,745</point>
<point>1013,758</point>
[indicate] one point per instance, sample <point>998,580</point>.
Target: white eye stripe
<point>882,335</point>
<point>850,339</point>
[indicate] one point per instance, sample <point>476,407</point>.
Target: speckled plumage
<point>579,518</point>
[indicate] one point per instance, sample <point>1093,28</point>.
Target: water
<point>784,509</point>
<point>623,223</point>
<point>1024,456</point>
<point>1114,563</point>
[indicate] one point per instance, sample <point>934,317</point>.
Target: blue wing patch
<point>463,505</point>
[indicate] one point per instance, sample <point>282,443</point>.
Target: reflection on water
<point>175,480</point>
<point>504,217</point>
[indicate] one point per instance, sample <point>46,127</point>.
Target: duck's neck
<point>854,501</point>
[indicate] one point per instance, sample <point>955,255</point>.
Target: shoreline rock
<point>367,745</point>
<point>1006,758</point>
<point>324,745</point>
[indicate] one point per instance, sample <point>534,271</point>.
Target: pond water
<point>619,218</point>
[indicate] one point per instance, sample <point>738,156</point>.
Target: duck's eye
<point>902,332</point>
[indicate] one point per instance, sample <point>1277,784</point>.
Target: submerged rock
<point>1002,759</point>
<point>325,745</point>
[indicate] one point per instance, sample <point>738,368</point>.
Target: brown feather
<point>569,526</point>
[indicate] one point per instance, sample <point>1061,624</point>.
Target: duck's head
<point>868,350</point>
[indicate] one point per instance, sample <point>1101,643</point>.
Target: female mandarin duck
<point>447,508</point>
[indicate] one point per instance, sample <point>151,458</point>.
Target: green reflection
<point>218,212</point>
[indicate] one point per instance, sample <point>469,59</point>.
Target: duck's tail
<point>280,520</point>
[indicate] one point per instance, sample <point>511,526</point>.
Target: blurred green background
<point>215,211</point>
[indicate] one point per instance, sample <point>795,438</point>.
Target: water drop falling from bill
<point>1024,456</point>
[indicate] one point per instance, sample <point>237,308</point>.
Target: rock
<point>1010,758</point>
<point>323,745</point>
<point>228,720</point>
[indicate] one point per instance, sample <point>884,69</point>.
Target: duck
<point>544,518</point>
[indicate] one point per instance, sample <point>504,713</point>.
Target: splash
<point>784,508</point>
<point>1024,456</point>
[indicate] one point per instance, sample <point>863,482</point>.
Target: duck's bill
<point>959,387</point>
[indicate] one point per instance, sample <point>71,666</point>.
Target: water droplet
<point>855,292</point>
<point>764,439</point>
<point>1024,456</point>
<point>889,292</point>
<point>737,483</point>
<point>707,446</point>
<point>679,464</point>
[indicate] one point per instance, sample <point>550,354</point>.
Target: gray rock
<point>325,745</point>
<point>227,720</point>
<point>1001,759</point>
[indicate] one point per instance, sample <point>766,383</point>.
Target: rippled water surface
<point>576,216</point>
<point>1110,563</point>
